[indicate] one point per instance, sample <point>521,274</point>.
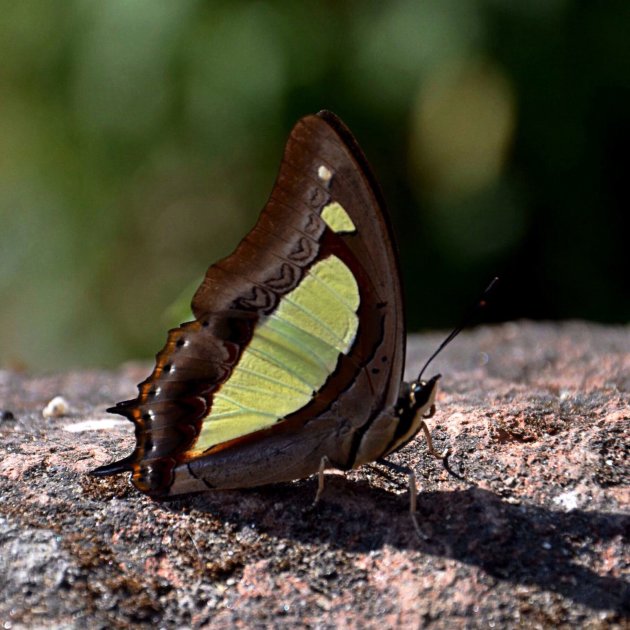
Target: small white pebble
<point>567,500</point>
<point>546,546</point>
<point>324,174</point>
<point>56,408</point>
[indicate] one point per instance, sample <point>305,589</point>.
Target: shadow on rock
<point>523,544</point>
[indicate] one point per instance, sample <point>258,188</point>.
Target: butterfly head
<point>418,397</point>
<point>416,402</point>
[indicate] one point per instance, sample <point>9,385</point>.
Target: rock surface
<point>529,526</point>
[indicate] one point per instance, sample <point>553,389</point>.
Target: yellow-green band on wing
<point>290,356</point>
<point>337,219</point>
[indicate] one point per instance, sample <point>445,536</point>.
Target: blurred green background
<point>140,138</point>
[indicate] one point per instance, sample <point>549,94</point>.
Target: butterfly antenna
<point>468,317</point>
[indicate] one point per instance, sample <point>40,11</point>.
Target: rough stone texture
<point>529,527</point>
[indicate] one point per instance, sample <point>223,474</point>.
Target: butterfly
<point>294,361</point>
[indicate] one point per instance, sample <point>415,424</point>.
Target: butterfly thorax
<point>392,429</point>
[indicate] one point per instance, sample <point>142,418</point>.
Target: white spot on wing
<point>324,174</point>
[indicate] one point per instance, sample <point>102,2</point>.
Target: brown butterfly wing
<point>241,290</point>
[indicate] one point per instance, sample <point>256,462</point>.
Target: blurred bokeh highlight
<point>140,139</point>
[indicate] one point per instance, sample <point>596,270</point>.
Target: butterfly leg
<point>413,493</point>
<point>323,464</point>
<point>413,502</point>
<point>444,455</point>
<point>427,435</point>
